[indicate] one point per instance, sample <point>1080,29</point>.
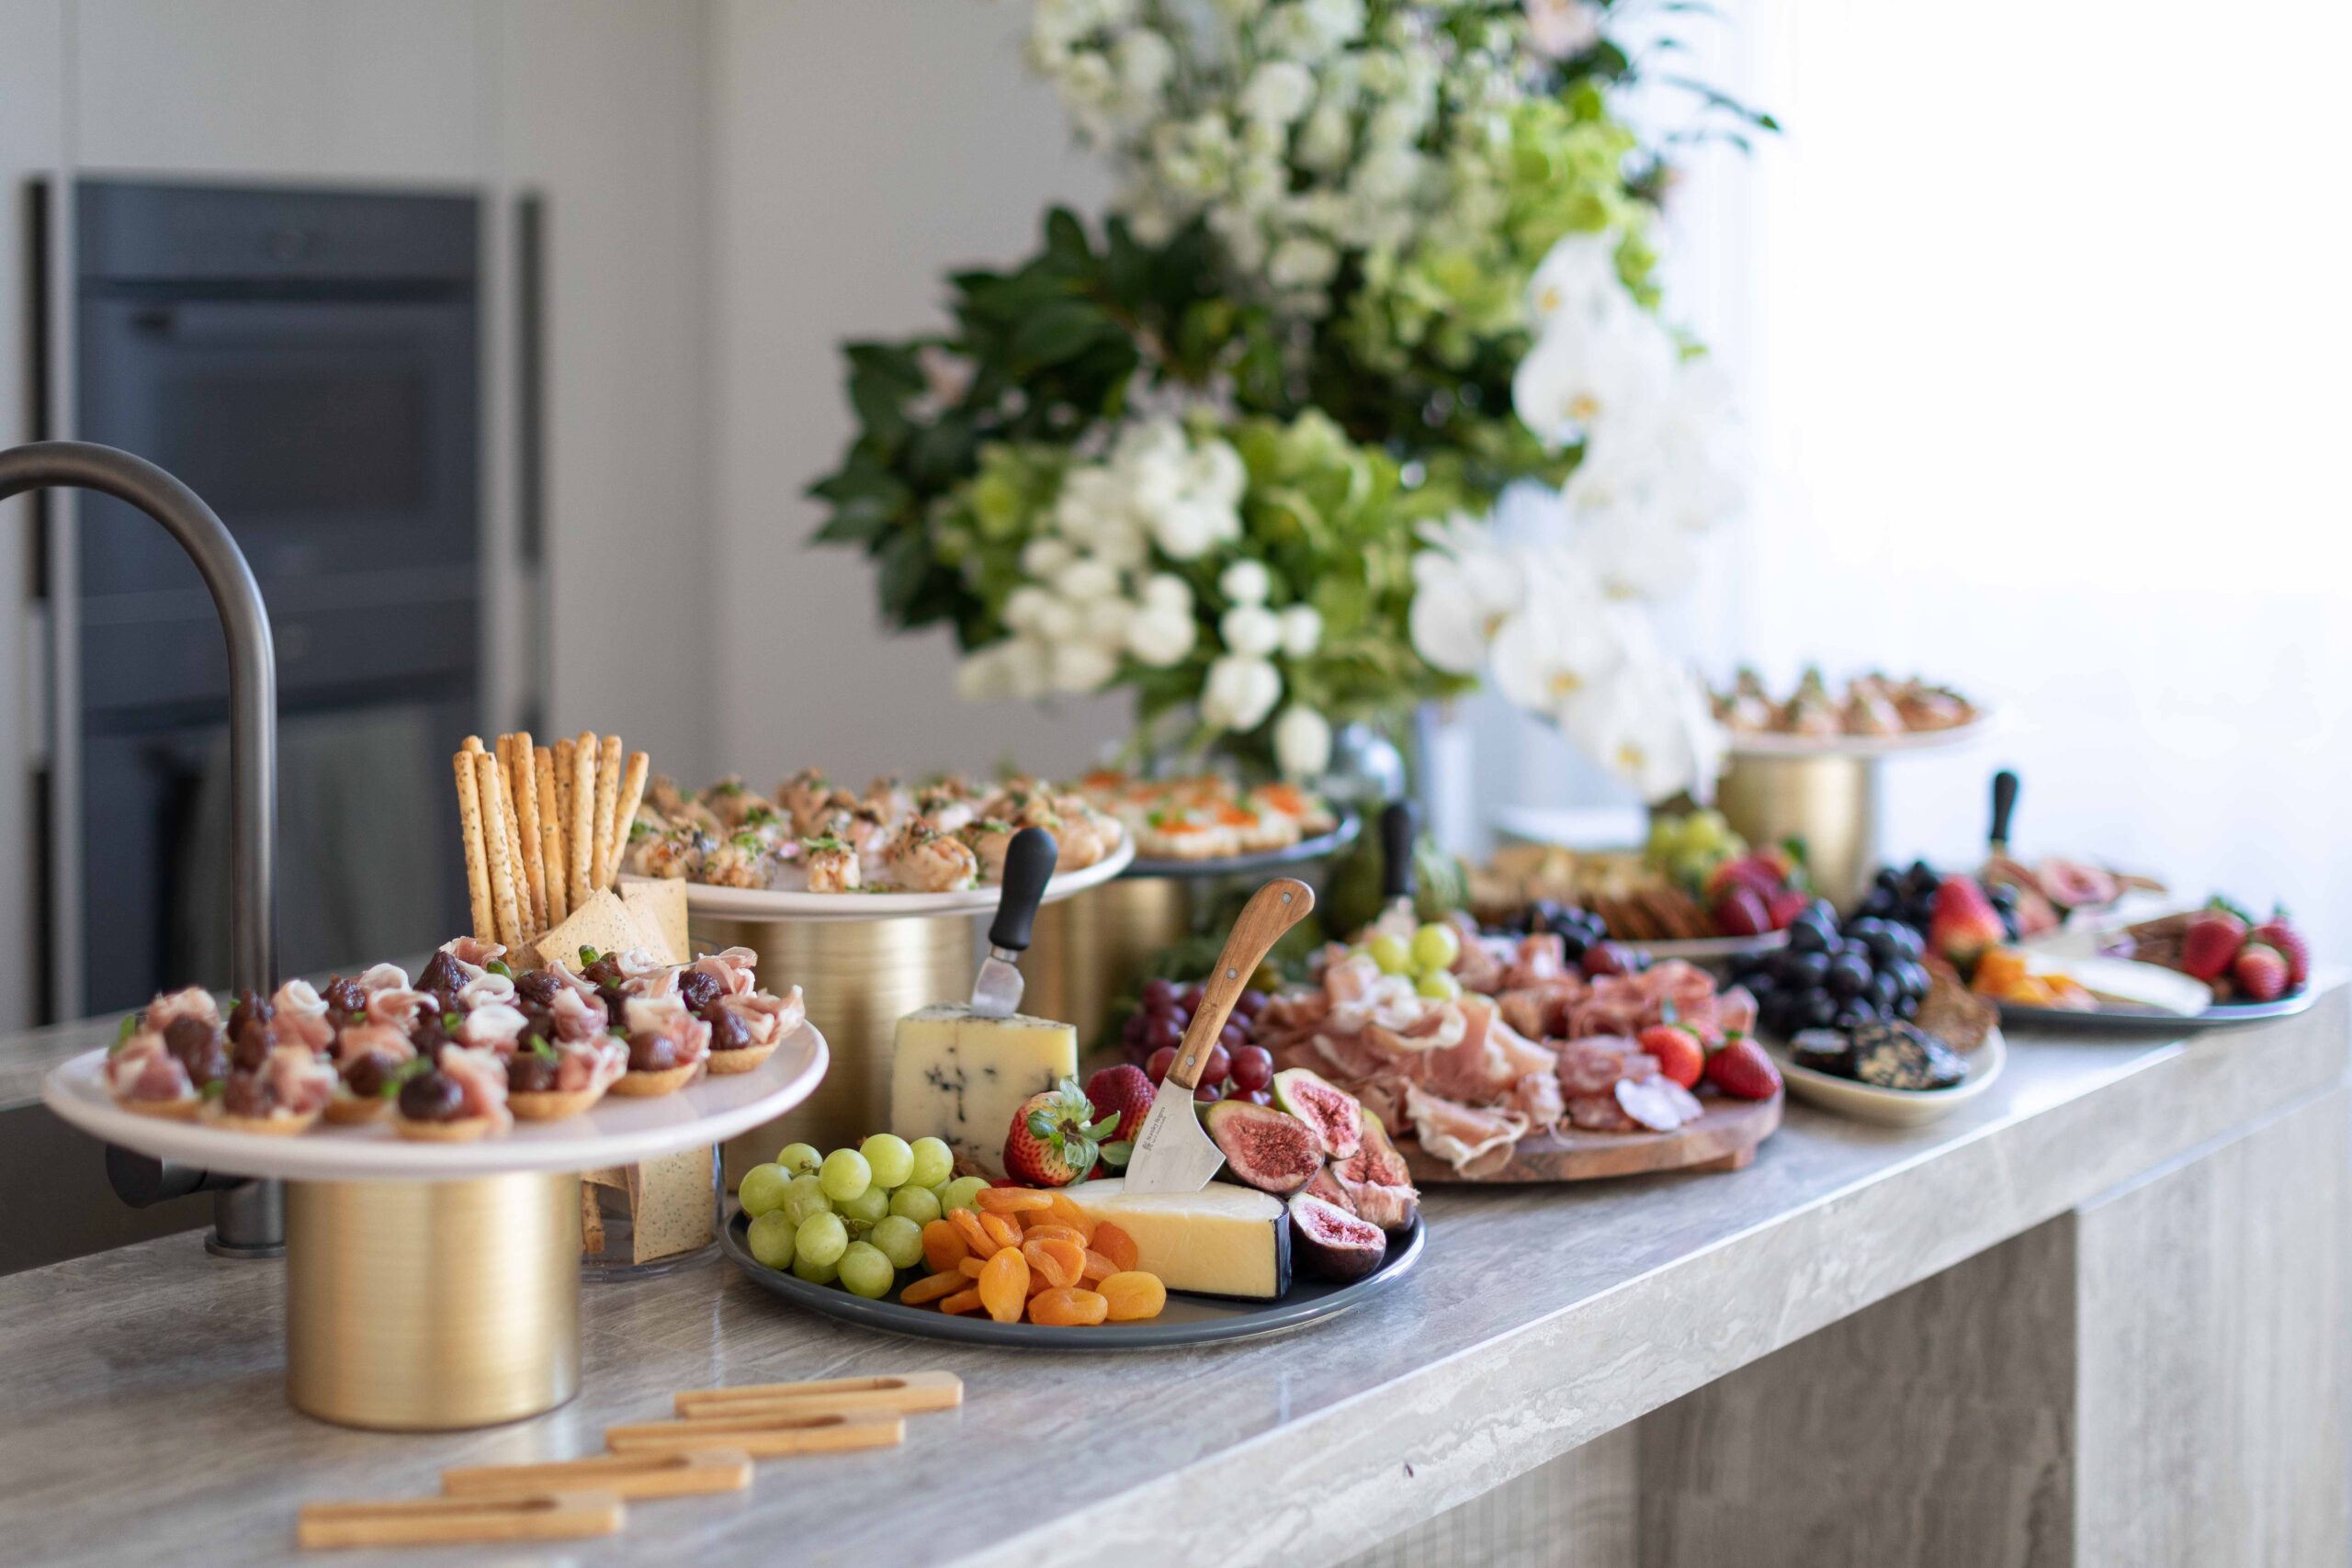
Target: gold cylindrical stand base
<point>1090,950</point>
<point>1829,802</point>
<point>423,1306</point>
<point>860,977</point>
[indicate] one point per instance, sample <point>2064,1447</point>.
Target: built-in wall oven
<point>310,362</point>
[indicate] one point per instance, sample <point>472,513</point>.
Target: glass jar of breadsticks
<point>544,829</point>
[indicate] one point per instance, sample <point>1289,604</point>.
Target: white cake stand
<point>436,1286</point>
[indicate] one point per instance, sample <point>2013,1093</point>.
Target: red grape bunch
<point>1235,1069</point>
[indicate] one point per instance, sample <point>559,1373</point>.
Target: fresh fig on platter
<point>1331,1243</point>
<point>1334,1115</point>
<point>1270,1150</point>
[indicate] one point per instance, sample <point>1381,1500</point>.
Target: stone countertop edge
<point>150,1421</point>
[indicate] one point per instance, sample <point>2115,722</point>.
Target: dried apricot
<point>1001,1233</point>
<point>1061,1262</point>
<point>1134,1296</point>
<point>1114,1244</point>
<point>977,1241</point>
<point>960,1303</point>
<point>1064,1307</point>
<point>1098,1269</point>
<point>970,1268</point>
<point>1053,1230</point>
<point>931,1287</point>
<point>1005,1285</point>
<point>1065,1209</point>
<point>943,1246</point>
<point>1011,1200</point>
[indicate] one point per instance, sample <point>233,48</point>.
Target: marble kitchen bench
<point>2099,1317</point>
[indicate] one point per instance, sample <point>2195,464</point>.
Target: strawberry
<point>1741,911</point>
<point>1054,1137</point>
<point>1964,922</point>
<point>2260,971</point>
<point>2212,943</point>
<point>1123,1092</point>
<point>1786,906</point>
<point>1680,1054</point>
<point>1742,1070</point>
<point>1759,873</point>
<point>2281,932</point>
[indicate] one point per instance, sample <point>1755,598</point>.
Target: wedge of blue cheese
<point>960,1078</point>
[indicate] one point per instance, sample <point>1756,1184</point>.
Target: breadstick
<point>583,817</point>
<point>624,819</point>
<point>476,859</point>
<point>564,746</point>
<point>502,864</point>
<point>608,800</point>
<point>555,866</point>
<point>472,744</point>
<point>523,780</point>
<point>525,918</point>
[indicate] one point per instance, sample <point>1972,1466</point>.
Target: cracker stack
<point>545,829</point>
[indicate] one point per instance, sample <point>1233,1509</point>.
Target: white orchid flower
<point>1576,383</point>
<point>1576,275</point>
<point>1302,630</point>
<point>1464,589</point>
<point>1302,742</point>
<point>1057,619</point>
<point>1251,630</point>
<point>1246,583</point>
<point>1561,640</point>
<point>1025,605</point>
<point>1239,692</point>
<point>1046,555</point>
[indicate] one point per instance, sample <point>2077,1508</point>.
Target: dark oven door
<point>336,436</point>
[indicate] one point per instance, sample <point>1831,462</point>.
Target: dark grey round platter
<point>2128,1021</point>
<point>1315,848</point>
<point>1187,1320</point>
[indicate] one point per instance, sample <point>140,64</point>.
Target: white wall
<point>859,151</point>
<point>2052,398</point>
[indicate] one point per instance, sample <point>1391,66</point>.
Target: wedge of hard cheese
<point>960,1078</point>
<point>1221,1241</point>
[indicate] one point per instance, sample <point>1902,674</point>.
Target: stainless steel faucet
<point>248,1216</point>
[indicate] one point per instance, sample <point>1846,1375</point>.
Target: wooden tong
<point>762,1435</point>
<point>435,1521</point>
<point>909,1394</point>
<point>686,1474</point>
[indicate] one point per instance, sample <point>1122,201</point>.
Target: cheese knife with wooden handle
<point>1174,1153</point>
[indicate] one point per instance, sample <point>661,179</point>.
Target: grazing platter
<point>1185,1319</point>
<point>1724,1137</point>
<point>788,902</point>
<point>1256,860</point>
<point>617,1131</point>
<point>1873,716</point>
<point>2115,1017</point>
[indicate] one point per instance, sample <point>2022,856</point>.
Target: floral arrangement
<point>1375,267</point>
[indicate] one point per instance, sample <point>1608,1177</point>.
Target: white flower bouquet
<point>1374,264</point>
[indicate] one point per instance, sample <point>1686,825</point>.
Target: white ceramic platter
<point>1894,1107</point>
<point>1767,744</point>
<point>617,1131</point>
<point>799,904</point>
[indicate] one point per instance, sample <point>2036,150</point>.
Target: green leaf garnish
<point>214,1089</point>
<point>589,955</point>
<point>541,1049</point>
<point>122,1036</point>
<point>498,966</point>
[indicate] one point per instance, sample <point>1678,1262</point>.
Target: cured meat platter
<point>1723,1138</point>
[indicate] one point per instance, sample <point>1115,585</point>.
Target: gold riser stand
<point>1830,802</point>
<point>1090,950</point>
<point>860,977</point>
<point>422,1306</point>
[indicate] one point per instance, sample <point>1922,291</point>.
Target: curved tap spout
<point>248,1216</point>
<point>253,671</point>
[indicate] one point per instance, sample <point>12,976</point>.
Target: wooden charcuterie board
<point>1723,1139</point>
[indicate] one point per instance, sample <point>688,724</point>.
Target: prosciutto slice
<point>492,1026</point>
<point>481,1078</point>
<point>578,1015</point>
<point>357,1040</point>
<point>383,977</point>
<point>300,1083</point>
<point>1457,1134</point>
<point>590,1065</point>
<point>396,1007</point>
<point>302,1015</point>
<point>667,1016</point>
<point>145,1070</point>
<point>733,969</point>
<point>473,952</point>
<point>193,1002</point>
<point>766,1018</point>
<point>485,989</point>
